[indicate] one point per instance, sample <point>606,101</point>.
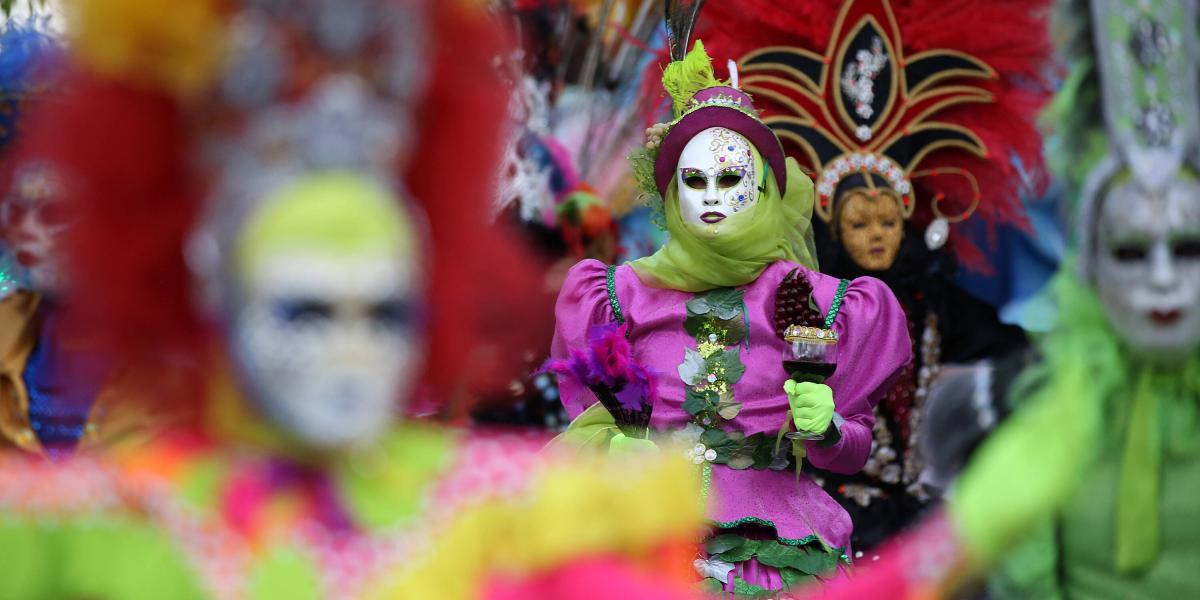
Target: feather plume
<point>1011,37</point>
<point>681,18</point>
<point>683,78</point>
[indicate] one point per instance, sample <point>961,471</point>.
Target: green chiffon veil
<point>778,228</point>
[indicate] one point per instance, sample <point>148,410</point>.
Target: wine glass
<point>810,355</point>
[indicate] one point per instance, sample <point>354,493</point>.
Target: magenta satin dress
<point>873,347</point>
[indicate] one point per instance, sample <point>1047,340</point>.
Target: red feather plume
<point>488,298</point>
<point>1011,38</point>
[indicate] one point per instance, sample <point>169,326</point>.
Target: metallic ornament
<point>937,233</point>
<point>856,107</point>
<point>858,80</point>
<point>1150,43</point>
<point>1156,123</point>
<point>1146,52</point>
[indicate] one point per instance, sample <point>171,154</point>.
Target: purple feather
<point>607,368</point>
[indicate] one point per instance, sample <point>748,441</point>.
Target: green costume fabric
<point>779,228</point>
<point>1109,444</point>
<point>1073,555</point>
<point>96,557</point>
<point>1032,463</point>
<point>593,429</point>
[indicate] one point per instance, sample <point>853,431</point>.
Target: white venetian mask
<point>717,180</point>
<point>1148,267</point>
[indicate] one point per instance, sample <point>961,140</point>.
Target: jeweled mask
<point>718,180</point>
<point>323,305</point>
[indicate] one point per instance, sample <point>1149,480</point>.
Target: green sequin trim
<point>837,302</point>
<point>782,540</point>
<point>610,282</point>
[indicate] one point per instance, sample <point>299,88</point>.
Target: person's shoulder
<point>587,268</point>
<point>870,285</point>
<point>776,271</point>
<point>586,275</point>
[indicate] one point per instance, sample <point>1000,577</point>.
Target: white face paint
<point>717,180</point>
<point>33,216</point>
<point>329,344</point>
<point>1148,268</point>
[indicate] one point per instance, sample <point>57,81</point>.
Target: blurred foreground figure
<point>1130,529</point>
<point>59,392</point>
<point>309,156</point>
<point>1106,442</point>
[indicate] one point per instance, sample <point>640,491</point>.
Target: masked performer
<point>910,120</point>
<point>57,392</point>
<point>1128,531</point>
<point>311,262</point>
<point>704,309</point>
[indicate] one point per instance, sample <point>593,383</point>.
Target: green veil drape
<point>779,228</point>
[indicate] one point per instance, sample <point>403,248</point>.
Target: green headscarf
<point>778,228</point>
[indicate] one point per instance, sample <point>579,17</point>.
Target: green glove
<point>623,444</point>
<point>811,404</point>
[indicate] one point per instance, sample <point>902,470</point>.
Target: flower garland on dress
<point>717,320</point>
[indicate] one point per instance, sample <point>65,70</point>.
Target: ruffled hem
<point>841,552</point>
<point>747,561</point>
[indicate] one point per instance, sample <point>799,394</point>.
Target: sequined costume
<point>1084,492</point>
<point>946,325</point>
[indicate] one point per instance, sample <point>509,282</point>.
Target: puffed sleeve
<point>873,347</point>
<point>582,302</point>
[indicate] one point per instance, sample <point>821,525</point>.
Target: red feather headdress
<point>937,98</point>
<point>127,144</point>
